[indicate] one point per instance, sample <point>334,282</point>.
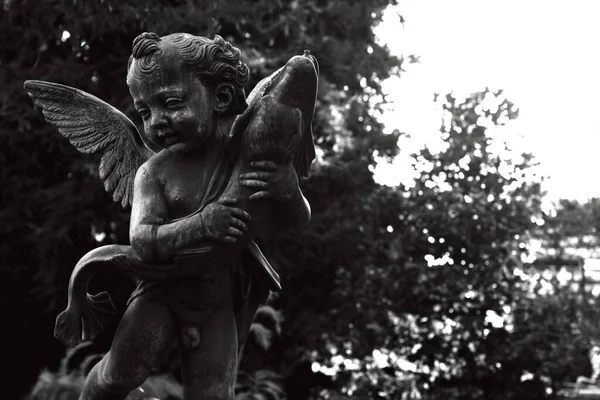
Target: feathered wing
<point>94,126</point>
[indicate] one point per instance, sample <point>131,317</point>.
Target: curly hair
<point>212,61</point>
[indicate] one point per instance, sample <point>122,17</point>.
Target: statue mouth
<point>170,140</point>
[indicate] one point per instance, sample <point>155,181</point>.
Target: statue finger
<point>221,238</point>
<point>230,239</point>
<point>228,201</point>
<point>262,175</point>
<point>264,164</point>
<point>239,224</point>
<point>254,184</point>
<point>260,195</point>
<point>241,215</point>
<point>235,232</point>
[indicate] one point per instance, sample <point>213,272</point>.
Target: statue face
<point>176,107</point>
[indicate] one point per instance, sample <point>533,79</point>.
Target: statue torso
<point>186,181</point>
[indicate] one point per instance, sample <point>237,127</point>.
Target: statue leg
<point>143,338</point>
<point>210,366</point>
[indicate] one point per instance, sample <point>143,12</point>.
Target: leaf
<point>261,335</point>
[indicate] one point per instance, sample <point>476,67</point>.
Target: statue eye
<point>173,103</point>
<point>144,113</point>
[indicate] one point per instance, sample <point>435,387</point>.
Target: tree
<point>559,317</point>
<point>481,207</point>
<point>424,274</point>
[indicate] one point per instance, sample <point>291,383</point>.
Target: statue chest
<point>186,191</point>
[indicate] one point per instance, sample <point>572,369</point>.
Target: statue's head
<point>183,84</point>
<point>213,61</point>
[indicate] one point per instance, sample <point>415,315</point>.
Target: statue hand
<point>272,181</point>
<point>224,223</point>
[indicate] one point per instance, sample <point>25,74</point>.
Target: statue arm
<point>153,238</point>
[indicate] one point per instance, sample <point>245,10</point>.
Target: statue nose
<point>158,120</point>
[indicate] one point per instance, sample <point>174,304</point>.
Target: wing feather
<point>74,131</point>
<point>89,146</point>
<point>52,107</point>
<point>128,190</point>
<point>93,126</point>
<point>107,163</point>
<point>120,189</point>
<point>56,115</point>
<point>111,181</point>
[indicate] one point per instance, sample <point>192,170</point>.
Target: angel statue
<point>213,171</point>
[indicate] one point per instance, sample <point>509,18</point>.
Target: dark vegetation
<point>361,286</point>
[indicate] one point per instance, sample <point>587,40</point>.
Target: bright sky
<point>544,54</point>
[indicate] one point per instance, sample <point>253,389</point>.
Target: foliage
<point>266,324</point>
<point>559,317</point>
<point>421,272</point>
<point>570,232</point>
<point>261,385</point>
<point>67,382</point>
<point>480,213</point>
<point>390,292</point>
<point>51,387</point>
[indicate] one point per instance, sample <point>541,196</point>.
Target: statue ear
<point>224,96</point>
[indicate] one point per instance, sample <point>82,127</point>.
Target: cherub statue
<point>212,171</point>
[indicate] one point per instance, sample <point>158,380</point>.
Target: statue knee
<point>122,382</point>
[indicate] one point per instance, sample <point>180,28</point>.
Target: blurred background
<point>453,251</point>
